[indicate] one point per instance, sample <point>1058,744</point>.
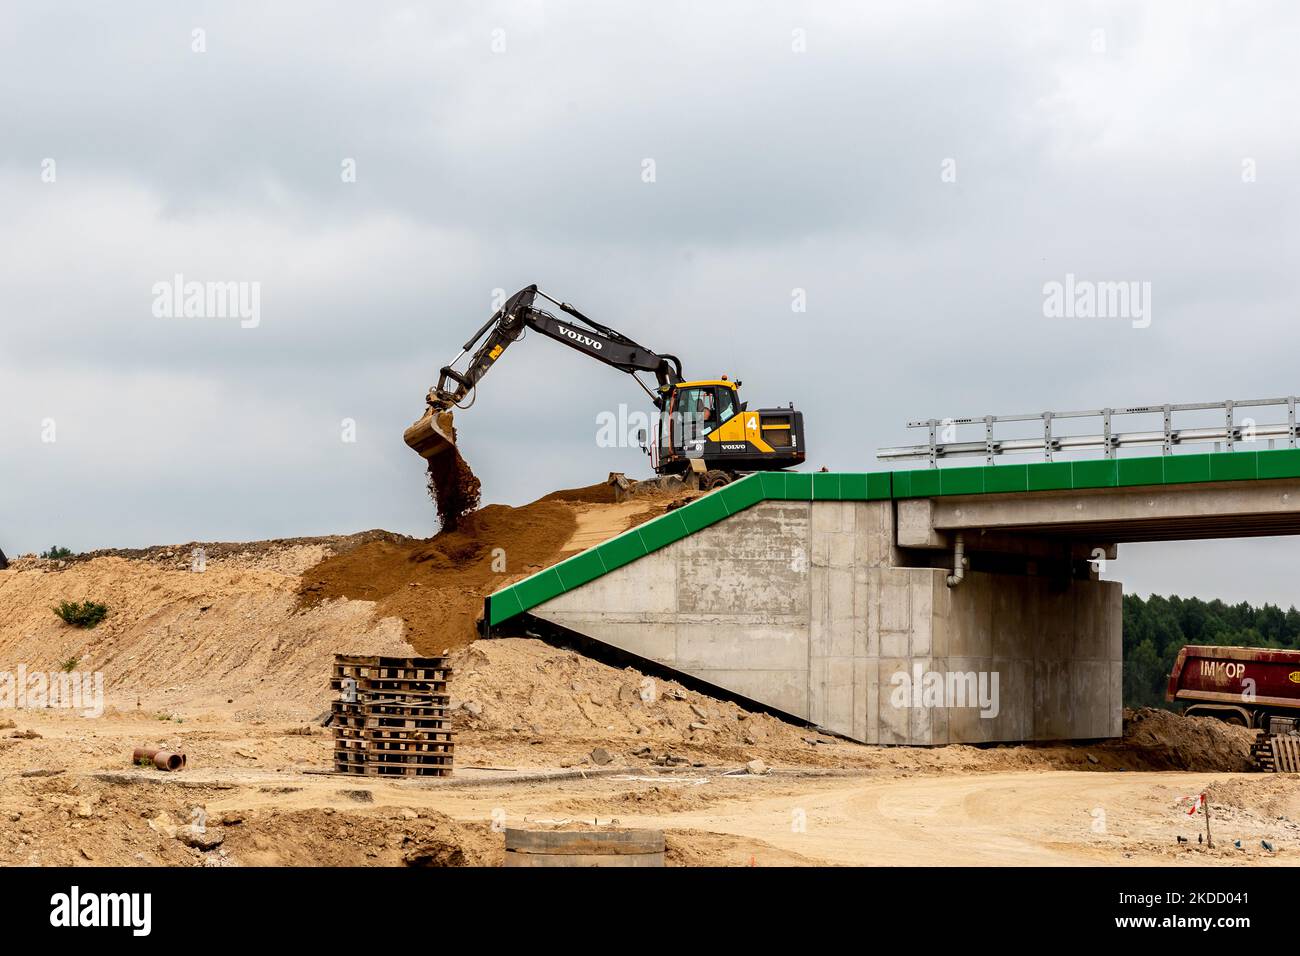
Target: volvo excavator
<point>705,435</point>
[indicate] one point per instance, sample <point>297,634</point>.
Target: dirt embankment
<point>436,586</point>
<point>229,637</point>
<point>254,628</point>
<point>1169,741</point>
<point>285,555</point>
<point>523,702</point>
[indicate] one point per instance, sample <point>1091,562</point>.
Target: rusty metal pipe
<point>162,759</point>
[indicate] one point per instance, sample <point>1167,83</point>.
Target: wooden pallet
<point>393,748</point>
<point>388,707</point>
<point>1261,751</point>
<point>438,720</point>
<point>441,734</point>
<point>1278,753</point>
<point>390,668</point>
<point>359,765</point>
<point>397,765</point>
<point>406,770</point>
<point>382,722</point>
<point>374,660</point>
<point>375,698</point>
<point>405,687</point>
<point>395,751</point>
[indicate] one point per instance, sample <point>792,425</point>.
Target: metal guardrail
<point>943,432</point>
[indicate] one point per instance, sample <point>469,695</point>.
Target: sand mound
<point>285,555</point>
<point>601,494</point>
<point>525,698</point>
<point>1169,741</point>
<point>256,630</point>
<point>523,684</point>
<point>1273,796</point>
<point>436,586</point>
<point>180,637</point>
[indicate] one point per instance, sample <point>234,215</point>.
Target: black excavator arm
<point>587,336</point>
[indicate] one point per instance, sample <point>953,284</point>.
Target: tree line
<point>1157,627</point>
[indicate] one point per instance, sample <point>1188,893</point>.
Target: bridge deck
<point>1007,479</point>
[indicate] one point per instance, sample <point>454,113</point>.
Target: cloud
<point>499,144</point>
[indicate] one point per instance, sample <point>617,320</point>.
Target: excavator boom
<point>434,434</point>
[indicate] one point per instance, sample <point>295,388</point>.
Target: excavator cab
<point>696,410</point>
<point>705,427</point>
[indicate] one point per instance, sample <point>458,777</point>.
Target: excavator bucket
<point>432,435</point>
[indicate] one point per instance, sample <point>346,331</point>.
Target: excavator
<point>705,435</point>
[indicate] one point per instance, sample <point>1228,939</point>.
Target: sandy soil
<point>265,796</point>
<point>231,666</point>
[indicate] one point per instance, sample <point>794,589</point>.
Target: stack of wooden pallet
<point>391,716</point>
<point>1279,753</point>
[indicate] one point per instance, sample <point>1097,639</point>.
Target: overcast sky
<point>919,170</point>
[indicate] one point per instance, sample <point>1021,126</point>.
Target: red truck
<point>1251,686</point>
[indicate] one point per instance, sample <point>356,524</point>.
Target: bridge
<point>927,606</point>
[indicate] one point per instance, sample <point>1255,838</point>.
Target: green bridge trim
<point>709,509</point>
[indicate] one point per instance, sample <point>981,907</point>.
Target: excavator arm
<point>433,433</point>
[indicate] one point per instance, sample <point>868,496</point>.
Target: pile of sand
<point>173,637</point>
<point>1169,741</point>
<point>1272,796</point>
<point>259,626</point>
<point>537,695</point>
<point>436,587</point>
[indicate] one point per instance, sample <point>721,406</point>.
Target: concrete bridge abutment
<point>840,613</point>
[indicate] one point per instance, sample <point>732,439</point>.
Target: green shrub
<point>56,553</point>
<point>83,614</point>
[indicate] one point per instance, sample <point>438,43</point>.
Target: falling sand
<point>453,486</point>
